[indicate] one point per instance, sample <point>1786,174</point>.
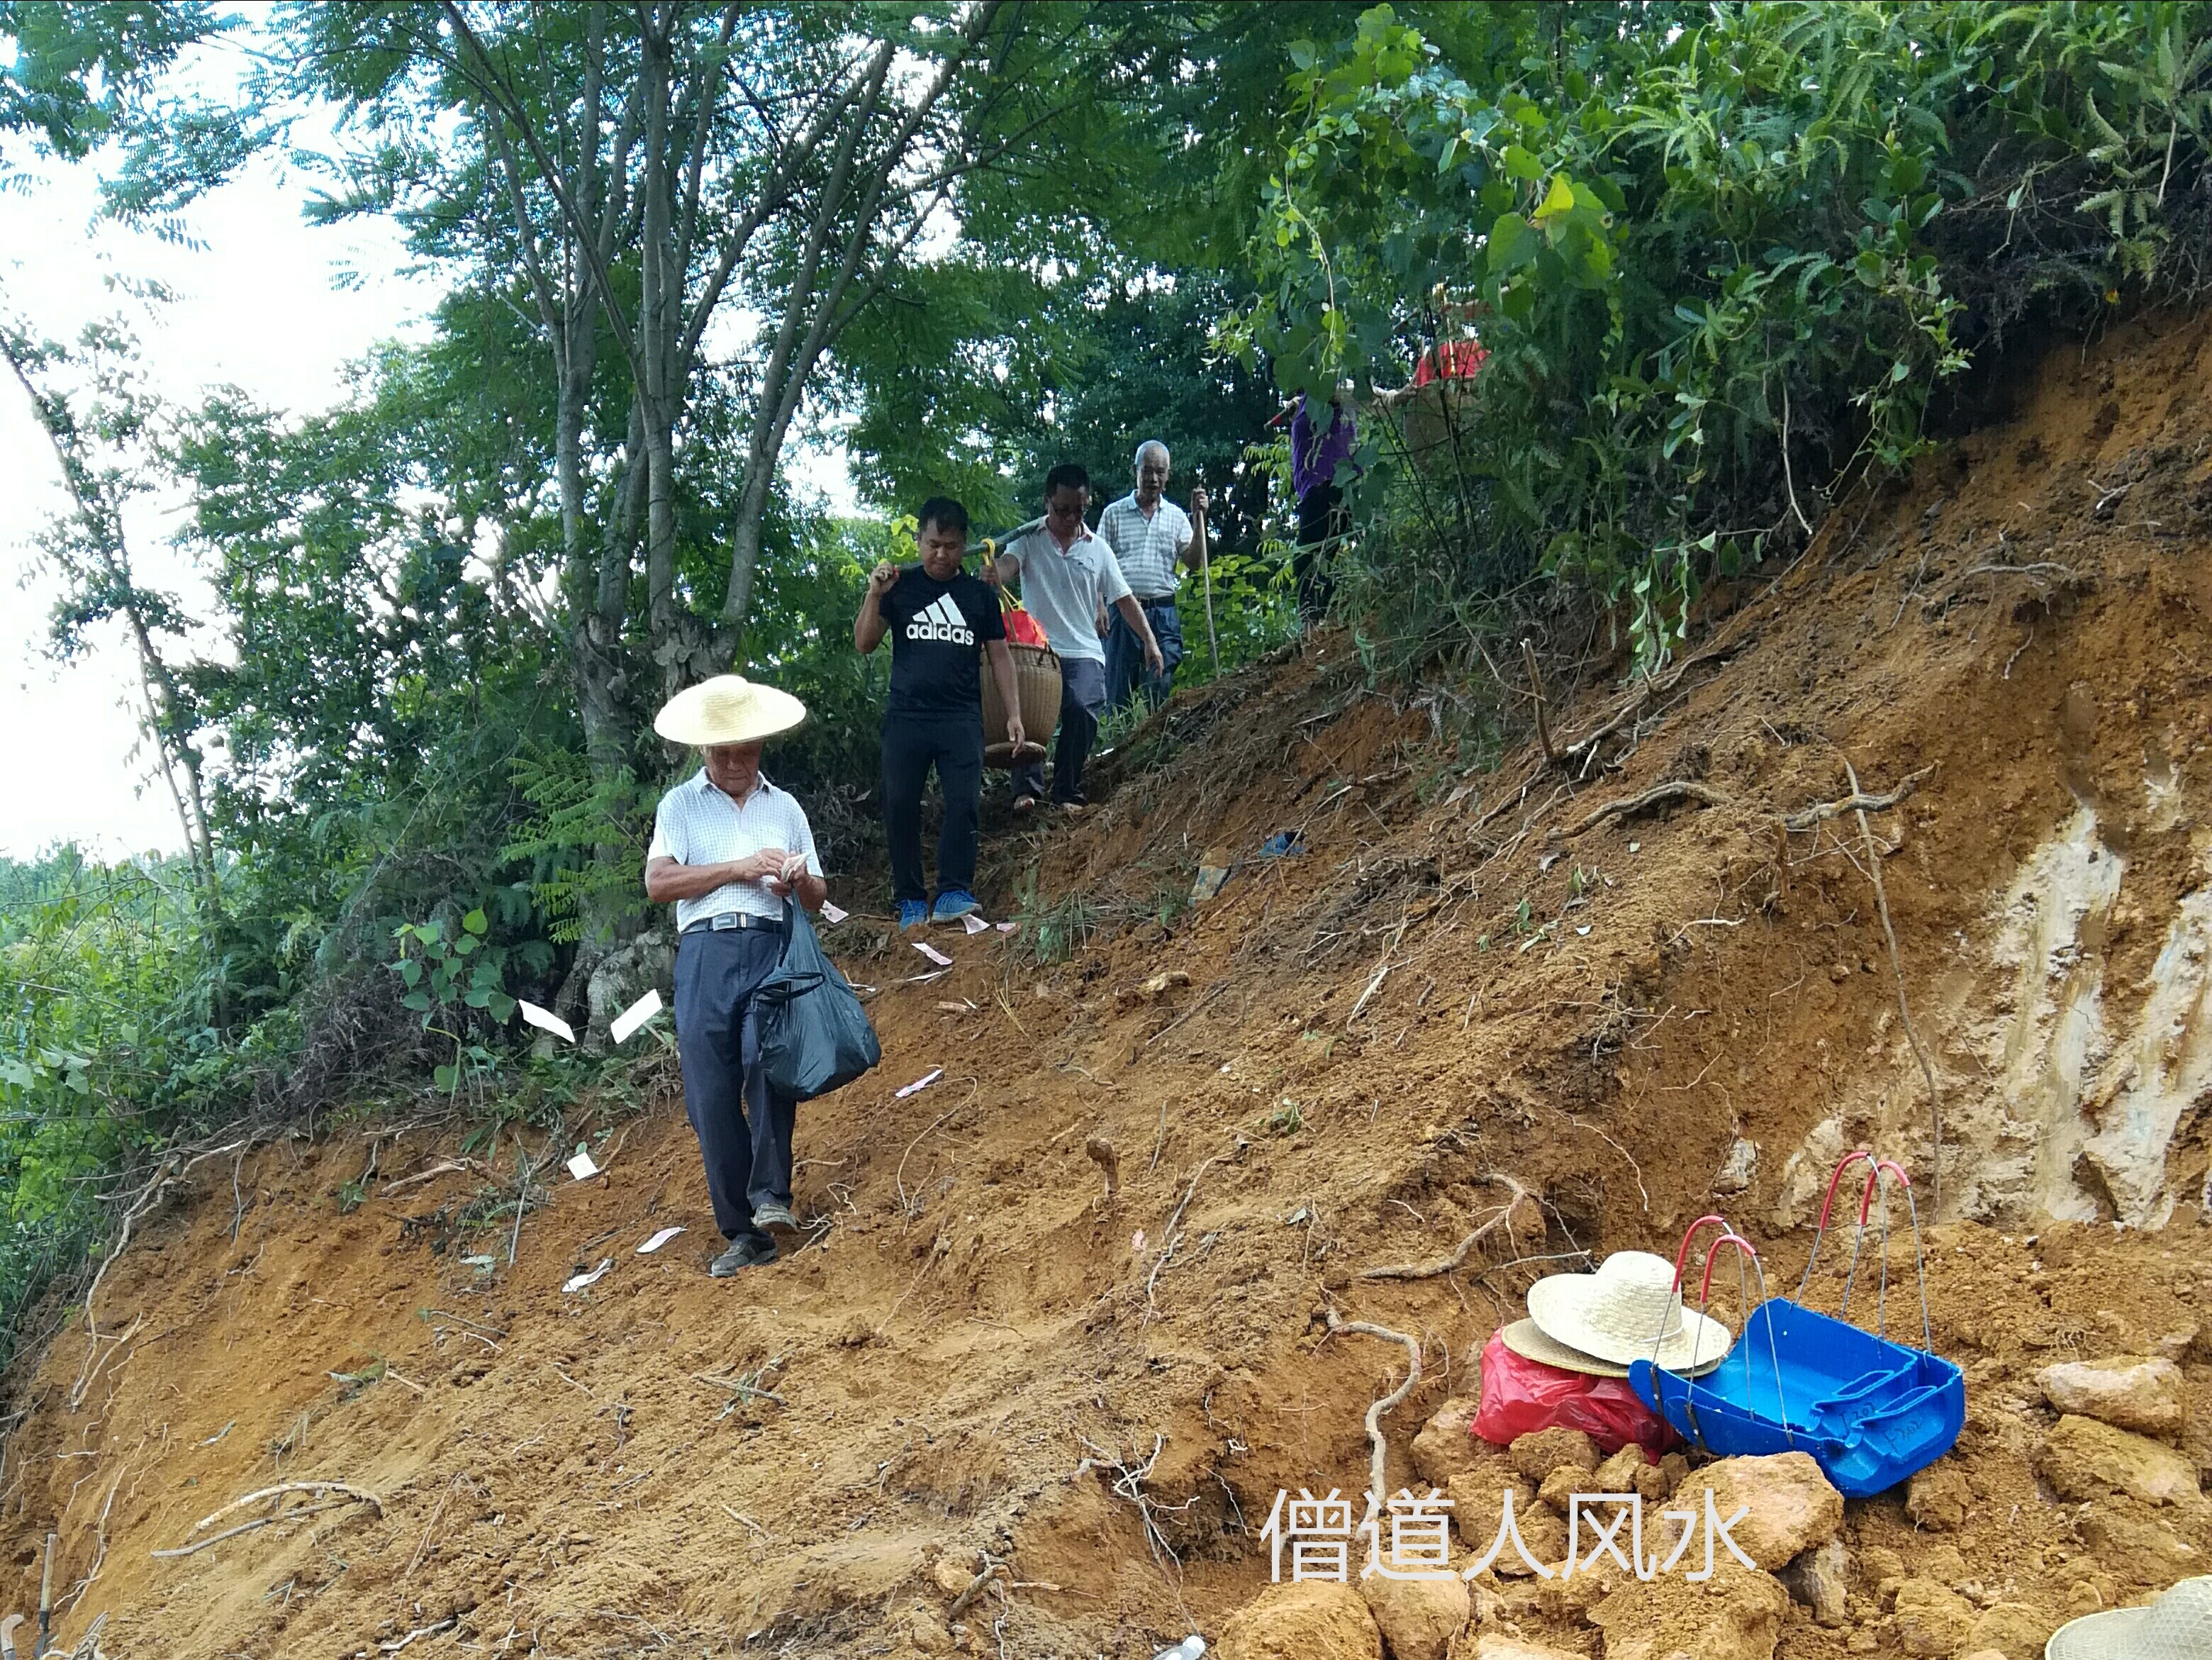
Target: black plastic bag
<point>814,1034</point>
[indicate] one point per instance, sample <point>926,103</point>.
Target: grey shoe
<point>775,1216</point>
<point>747,1251</point>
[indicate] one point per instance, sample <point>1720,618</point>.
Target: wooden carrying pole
<point>45,1602</point>
<point>1205,570</point>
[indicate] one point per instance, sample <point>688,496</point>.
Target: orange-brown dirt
<point>1641,1018</point>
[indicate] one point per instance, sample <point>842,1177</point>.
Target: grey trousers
<point>744,1135</point>
<point>1082,701</point>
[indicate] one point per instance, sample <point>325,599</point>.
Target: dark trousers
<point>1125,655</point>
<point>1082,701</point>
<point>1321,525</point>
<point>745,1135</point>
<point>912,743</point>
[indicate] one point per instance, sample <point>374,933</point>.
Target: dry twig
<point>1822,812</point>
<point>1897,967</point>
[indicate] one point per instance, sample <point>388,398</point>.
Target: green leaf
<point>411,969</point>
<point>1521,164</point>
<point>502,1006</point>
<point>475,921</point>
<point>417,1001</point>
<point>446,1077</point>
<point>1560,199</point>
<point>465,944</point>
<point>1513,242</point>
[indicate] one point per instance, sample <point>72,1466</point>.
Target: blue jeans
<point>1082,701</point>
<point>1125,655</point>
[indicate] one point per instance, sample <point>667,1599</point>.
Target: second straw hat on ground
<point>1629,1309</point>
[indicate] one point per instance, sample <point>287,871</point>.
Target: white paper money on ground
<point>830,914</point>
<point>577,1282</point>
<point>920,1083</point>
<point>546,1020</point>
<point>658,1241</point>
<point>634,1017</point>
<point>582,1168</point>
<point>975,924</point>
<point>932,954</point>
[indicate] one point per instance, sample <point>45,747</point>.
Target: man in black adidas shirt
<point>941,621</point>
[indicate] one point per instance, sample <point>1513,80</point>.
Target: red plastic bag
<point>1022,627</point>
<point>1520,1396</point>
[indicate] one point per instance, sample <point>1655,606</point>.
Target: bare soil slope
<point>1638,1014</point>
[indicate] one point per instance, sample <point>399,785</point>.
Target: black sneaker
<point>748,1250</point>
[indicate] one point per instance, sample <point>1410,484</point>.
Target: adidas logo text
<point>941,620</point>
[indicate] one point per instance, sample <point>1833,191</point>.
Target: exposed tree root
<point>1822,812</point>
<point>1502,1220</point>
<point>1674,789</point>
<point>1377,1447</point>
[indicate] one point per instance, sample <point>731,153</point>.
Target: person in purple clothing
<point>1323,521</point>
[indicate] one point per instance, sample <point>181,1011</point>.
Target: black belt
<point>735,919</point>
<point>1163,599</point>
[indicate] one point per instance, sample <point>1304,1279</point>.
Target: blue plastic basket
<point>1871,1412</point>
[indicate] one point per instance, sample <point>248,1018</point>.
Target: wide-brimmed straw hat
<point>1527,1339</point>
<point>728,710</point>
<point>2177,1625</point>
<point>1629,1309</point>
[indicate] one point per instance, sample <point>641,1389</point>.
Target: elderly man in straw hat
<point>727,846</point>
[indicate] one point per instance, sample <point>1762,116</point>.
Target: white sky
<point>260,304</point>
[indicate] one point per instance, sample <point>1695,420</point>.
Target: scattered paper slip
<point>1004,928</point>
<point>975,924</point>
<point>546,1020</point>
<point>658,1241</point>
<point>577,1282</point>
<point>924,979</point>
<point>932,954</point>
<point>582,1168</point>
<point>830,914</point>
<point>634,1017</point>
<point>920,1083</point>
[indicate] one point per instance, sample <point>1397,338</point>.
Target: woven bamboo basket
<point>1037,684</point>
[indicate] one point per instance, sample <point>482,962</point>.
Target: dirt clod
<point>2138,1393</point>
<point>1313,1620</point>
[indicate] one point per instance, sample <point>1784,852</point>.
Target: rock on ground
<point>1490,1646</point>
<point>646,964</point>
<point>1938,1497</point>
<point>1315,1621</point>
<point>2012,1630</point>
<point>1932,1620</point>
<point>2129,1392</point>
<point>1445,1446</point>
<point>1418,1617</point>
<point>1790,1506</point>
<point>2083,1458</point>
<point>2125,1540</point>
<point>1736,1614</point>
<point>1821,1578</point>
<point>1537,1455</point>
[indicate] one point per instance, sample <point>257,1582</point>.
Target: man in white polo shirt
<point>1069,576</point>
<point>727,846</point>
<point>1151,537</point>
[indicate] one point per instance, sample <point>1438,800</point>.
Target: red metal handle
<point>1836,1181</point>
<point>1704,1291</point>
<point>1873,1182</point>
<point>1682,1253</point>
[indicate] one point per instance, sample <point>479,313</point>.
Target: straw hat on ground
<point>1629,1309</point>
<point>728,710</point>
<point>1527,1339</point>
<point>2177,1625</point>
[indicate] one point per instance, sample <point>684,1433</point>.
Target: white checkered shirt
<point>1147,548</point>
<point>697,824</point>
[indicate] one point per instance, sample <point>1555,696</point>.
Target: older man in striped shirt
<point>1149,536</point>
<point>727,848</point>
